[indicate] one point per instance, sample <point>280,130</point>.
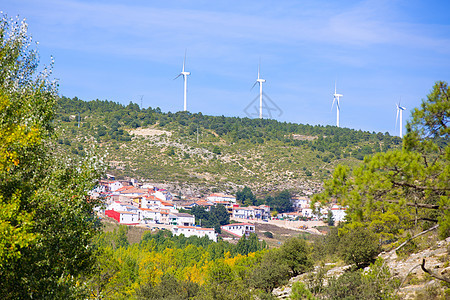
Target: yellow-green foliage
<point>123,270</point>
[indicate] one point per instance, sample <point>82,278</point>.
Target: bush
<point>271,273</point>
<point>359,246</point>
<point>268,234</point>
<point>299,292</point>
<point>295,253</point>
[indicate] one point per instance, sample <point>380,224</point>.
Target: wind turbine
<point>260,81</point>
<point>336,98</point>
<point>185,75</point>
<point>400,110</point>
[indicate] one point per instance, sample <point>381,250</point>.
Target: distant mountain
<point>199,153</point>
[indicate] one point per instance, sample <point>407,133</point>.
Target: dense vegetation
<point>46,224</point>
<point>163,266</point>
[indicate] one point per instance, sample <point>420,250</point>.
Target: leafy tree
<point>402,188</point>
<point>218,215</point>
<point>221,213</point>
<point>377,283</point>
<point>46,217</point>
<point>295,253</point>
<point>330,218</point>
<point>169,288</point>
<point>271,273</point>
<point>248,245</point>
<point>281,202</point>
<point>246,197</point>
<point>359,246</point>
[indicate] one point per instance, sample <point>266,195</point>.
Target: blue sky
<point>378,52</point>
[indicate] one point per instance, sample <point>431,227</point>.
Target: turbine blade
<point>337,104</point>
<point>254,85</point>
<point>335,86</point>
<point>177,76</point>
<point>332,104</point>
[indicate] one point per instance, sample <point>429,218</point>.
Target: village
<point>135,204</point>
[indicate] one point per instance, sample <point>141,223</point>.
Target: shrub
<point>359,246</point>
<point>295,253</point>
<point>268,234</point>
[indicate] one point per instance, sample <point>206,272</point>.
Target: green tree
<point>270,273</point>
<point>359,246</point>
<point>46,217</point>
<point>281,202</point>
<point>330,218</point>
<point>402,188</point>
<point>246,197</point>
<point>295,253</point>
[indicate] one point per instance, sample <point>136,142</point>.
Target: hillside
<point>211,152</point>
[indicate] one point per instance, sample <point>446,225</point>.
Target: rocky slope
<point>415,283</point>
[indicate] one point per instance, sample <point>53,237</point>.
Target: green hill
<point>207,153</point>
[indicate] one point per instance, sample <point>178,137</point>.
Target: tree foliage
<point>217,216</point>
<point>295,253</point>
<point>359,246</point>
<point>401,188</point>
<point>46,218</point>
<point>246,197</point>
<point>281,202</point>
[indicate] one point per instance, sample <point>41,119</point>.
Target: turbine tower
<point>400,110</point>
<point>185,75</point>
<point>260,81</point>
<point>336,98</point>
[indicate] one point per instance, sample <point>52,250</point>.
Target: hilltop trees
<point>46,218</point>
<point>402,188</point>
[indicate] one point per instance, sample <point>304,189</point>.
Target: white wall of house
<point>338,214</point>
<point>128,217</point>
<point>182,219</point>
<point>239,229</point>
<point>149,216</point>
<point>221,197</point>
<point>189,231</point>
<point>150,202</point>
<point>243,212</point>
<point>113,186</point>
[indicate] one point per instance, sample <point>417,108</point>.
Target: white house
<point>206,204</point>
<point>251,212</point>
<point>120,206</point>
<point>147,215</point>
<point>219,197</point>
<point>188,231</point>
<point>182,219</point>
<point>243,212</point>
<point>163,194</point>
<point>123,217</point>
<point>338,213</point>
<point>300,202</point>
<point>115,185</point>
<point>262,212</point>
<point>239,229</point>
<point>290,215</point>
<point>150,201</point>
